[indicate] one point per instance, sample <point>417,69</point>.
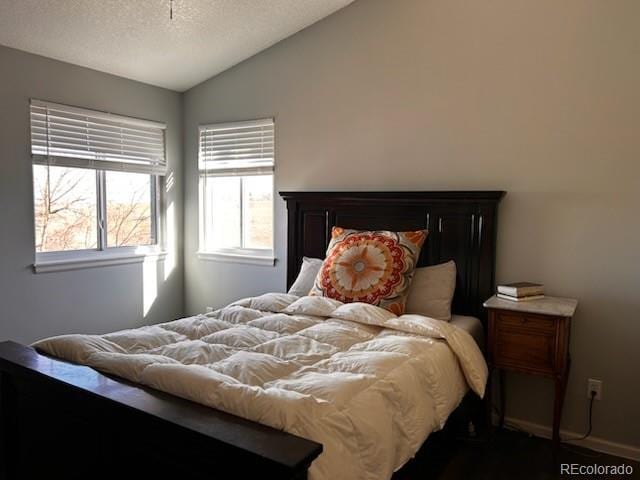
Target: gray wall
<point>91,300</point>
<point>539,98</point>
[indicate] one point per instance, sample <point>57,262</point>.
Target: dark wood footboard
<point>61,420</point>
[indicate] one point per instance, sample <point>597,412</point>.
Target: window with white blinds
<point>68,136</point>
<point>96,181</point>
<point>237,148</point>
<point>236,164</point>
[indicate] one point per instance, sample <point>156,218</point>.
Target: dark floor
<point>504,455</point>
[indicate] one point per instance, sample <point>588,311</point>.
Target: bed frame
<point>61,420</point>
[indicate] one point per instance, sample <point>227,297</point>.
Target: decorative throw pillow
<point>432,291</point>
<point>370,267</point>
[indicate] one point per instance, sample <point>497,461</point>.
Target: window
<point>236,162</point>
<point>95,180</point>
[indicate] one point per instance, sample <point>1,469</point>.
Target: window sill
<point>55,262</point>
<point>226,257</point>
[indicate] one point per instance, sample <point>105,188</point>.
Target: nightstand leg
<point>560,390</point>
<point>488,401</point>
<point>503,397</point>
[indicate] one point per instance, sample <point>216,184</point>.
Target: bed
<point>69,419</point>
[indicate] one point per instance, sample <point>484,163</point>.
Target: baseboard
<point>593,443</point>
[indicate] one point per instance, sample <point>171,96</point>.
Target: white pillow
<point>308,273</point>
<point>431,291</point>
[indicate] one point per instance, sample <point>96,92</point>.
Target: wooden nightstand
<point>531,337</point>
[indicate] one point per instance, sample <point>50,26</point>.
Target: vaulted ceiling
<point>137,39</point>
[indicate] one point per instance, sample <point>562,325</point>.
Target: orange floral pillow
<point>371,267</point>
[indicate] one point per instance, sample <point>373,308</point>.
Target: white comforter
<point>366,384</point>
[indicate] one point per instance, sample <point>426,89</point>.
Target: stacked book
<point>521,291</point>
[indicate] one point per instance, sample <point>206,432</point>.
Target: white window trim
<point>239,256</point>
<point>79,259</point>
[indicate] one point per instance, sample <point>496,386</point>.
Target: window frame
<point>103,254</point>
<point>255,256</point>
<point>154,209</point>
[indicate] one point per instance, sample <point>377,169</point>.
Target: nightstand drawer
<point>519,348</point>
<point>528,322</point>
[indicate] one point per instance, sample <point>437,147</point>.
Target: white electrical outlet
<point>594,385</point>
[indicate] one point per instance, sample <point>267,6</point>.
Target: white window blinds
<point>77,137</point>
<point>237,148</point>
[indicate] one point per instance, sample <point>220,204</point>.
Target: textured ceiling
<point>136,39</point>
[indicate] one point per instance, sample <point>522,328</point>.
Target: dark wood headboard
<point>462,227</point>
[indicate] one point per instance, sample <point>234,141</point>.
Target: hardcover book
<point>521,289</point>
<point>520,299</point>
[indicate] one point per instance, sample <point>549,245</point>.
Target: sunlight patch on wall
<point>149,284</point>
<point>169,182</point>
<point>170,260</point>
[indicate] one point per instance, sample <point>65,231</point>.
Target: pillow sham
<point>432,291</point>
<point>306,277</point>
<point>373,267</point>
